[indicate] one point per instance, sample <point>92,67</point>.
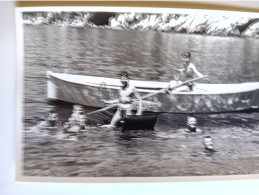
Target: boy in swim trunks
<point>127,94</point>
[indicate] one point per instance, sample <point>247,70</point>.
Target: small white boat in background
<point>206,98</point>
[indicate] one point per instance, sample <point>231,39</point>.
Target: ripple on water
<point>166,151</point>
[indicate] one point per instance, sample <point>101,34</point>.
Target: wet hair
<point>186,54</point>
<point>124,74</point>
<point>207,136</point>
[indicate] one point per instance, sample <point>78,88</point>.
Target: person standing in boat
<point>189,72</point>
<point>127,95</point>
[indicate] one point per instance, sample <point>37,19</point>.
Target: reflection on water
<point>166,151</point>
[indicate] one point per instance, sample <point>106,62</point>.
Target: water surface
<point>166,151</point>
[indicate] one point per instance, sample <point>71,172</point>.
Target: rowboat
<point>206,98</point>
<point>143,122</point>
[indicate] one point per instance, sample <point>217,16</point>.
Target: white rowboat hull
<point>207,98</point>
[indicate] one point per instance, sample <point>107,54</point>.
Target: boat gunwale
<point>150,90</point>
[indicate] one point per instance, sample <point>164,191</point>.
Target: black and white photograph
<point>109,92</point>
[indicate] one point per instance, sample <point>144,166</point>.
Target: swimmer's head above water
<point>78,109</point>
<point>191,123</point>
<point>208,143</point>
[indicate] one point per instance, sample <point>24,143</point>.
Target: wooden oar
<point>149,95</point>
<point>102,109</point>
<point>171,88</point>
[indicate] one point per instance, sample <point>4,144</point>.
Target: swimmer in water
<point>208,144</point>
<point>76,122</point>
<point>52,118</point>
<point>67,134</point>
<point>127,94</point>
<point>77,110</point>
<point>66,126</point>
<point>49,123</point>
<point>192,125</point>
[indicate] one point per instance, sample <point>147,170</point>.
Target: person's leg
<point>129,112</point>
<point>116,118</point>
<point>182,89</point>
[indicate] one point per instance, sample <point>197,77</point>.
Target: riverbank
<point>204,24</point>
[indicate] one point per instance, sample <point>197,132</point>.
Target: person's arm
<point>111,101</point>
<point>137,95</point>
<point>198,74</point>
<point>116,101</point>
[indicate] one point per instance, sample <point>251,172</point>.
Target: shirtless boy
<point>127,94</point>
<point>189,72</point>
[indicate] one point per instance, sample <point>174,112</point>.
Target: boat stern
<point>51,88</point>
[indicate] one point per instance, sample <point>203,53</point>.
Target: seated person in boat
<point>127,95</point>
<point>189,72</point>
<point>192,125</point>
